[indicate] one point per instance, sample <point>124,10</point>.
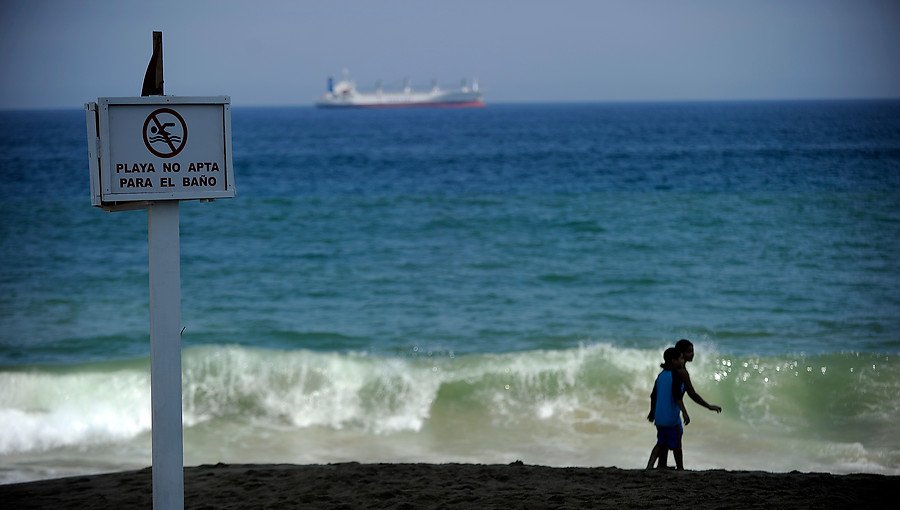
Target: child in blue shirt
<point>666,401</point>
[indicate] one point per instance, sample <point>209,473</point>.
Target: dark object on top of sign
<point>153,79</point>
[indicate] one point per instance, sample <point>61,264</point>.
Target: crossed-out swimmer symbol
<point>158,139</point>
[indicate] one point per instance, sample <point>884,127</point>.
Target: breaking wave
<point>565,407</point>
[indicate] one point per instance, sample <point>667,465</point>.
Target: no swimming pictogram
<point>165,132</point>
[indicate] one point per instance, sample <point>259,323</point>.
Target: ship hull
<point>397,105</point>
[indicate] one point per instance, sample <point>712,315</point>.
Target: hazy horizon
<point>63,53</point>
<point>489,103</point>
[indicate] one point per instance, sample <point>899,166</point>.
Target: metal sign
<point>159,148</point>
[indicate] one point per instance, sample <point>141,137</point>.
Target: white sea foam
<point>581,406</point>
<point>46,410</point>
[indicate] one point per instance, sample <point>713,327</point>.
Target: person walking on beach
<point>666,401</point>
<point>685,347</point>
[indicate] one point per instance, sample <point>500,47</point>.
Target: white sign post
<point>164,256</point>
<point>152,152</point>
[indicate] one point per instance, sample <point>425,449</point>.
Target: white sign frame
<point>103,169</point>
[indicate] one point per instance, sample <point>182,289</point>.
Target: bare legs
<point>654,455</point>
<point>679,463</point>
<point>661,454</point>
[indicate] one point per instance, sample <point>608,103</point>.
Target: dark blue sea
<point>481,285</point>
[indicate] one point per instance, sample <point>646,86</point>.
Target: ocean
<point>480,285</point>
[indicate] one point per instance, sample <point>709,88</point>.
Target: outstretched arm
<point>689,388</point>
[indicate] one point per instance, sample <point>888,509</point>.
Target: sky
<point>64,53</point>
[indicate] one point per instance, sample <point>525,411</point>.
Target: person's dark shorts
<point>670,437</point>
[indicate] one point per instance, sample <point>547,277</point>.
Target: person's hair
<point>669,356</point>
<point>683,345</point>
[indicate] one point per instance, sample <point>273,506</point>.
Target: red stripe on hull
<point>385,106</point>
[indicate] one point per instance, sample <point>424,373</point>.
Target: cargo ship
<point>344,94</point>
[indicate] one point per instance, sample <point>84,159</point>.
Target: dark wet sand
<point>511,486</point>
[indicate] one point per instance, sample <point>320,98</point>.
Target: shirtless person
<point>687,348</point>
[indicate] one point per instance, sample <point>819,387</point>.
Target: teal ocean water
<point>483,285</point>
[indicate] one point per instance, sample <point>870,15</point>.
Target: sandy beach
<point>353,485</point>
